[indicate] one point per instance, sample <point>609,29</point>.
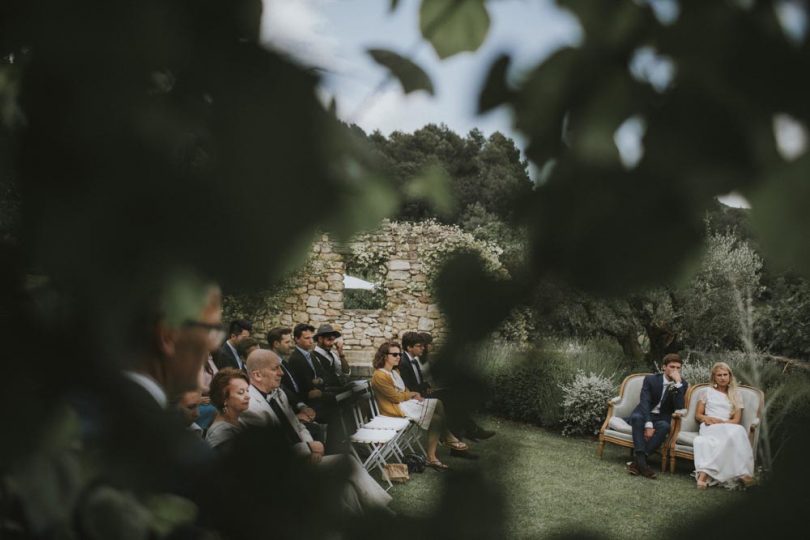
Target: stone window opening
<point>362,291</point>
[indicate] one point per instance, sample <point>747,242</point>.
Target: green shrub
<point>585,403</point>
<point>527,386</point>
<point>529,391</point>
<point>696,372</point>
<point>364,299</point>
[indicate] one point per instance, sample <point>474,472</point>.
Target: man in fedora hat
<point>329,351</point>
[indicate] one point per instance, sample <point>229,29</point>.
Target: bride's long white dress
<point>722,451</point>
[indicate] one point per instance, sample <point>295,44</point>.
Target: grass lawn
<point>553,484</point>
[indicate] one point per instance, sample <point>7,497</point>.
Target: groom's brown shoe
<point>643,470</point>
<point>648,472</point>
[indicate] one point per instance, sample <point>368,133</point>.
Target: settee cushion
<point>618,424</point>
<point>687,437</point>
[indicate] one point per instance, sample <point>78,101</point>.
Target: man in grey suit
<point>269,405</point>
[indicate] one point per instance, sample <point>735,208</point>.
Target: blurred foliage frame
<point>155,137</point>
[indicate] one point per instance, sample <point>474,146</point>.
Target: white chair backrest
<point>365,407</point>
<point>752,399</point>
<point>688,422</point>
<point>630,392</point>
<point>375,407</point>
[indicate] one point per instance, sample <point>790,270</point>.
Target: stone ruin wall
<point>409,304</point>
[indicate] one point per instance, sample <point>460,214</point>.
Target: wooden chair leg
<point>663,461</point>
<point>600,449</point>
<point>672,463</point>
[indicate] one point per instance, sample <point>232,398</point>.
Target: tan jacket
<point>388,397</point>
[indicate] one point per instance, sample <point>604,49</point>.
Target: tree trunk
<point>662,342</point>
<point>630,347</point>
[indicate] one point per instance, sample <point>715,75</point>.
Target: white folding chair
<point>379,444</point>
<point>408,432</point>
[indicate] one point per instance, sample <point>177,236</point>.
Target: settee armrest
<point>614,400</point>
<point>754,424</point>
<point>680,413</point>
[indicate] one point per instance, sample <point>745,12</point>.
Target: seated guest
<point>245,347</point>
<point>311,377</point>
<point>270,406</point>
<point>262,374</point>
<point>329,351</point>
<point>395,399</point>
<point>207,411</point>
<point>228,356</point>
<point>230,396</point>
<point>307,370</point>
<point>424,358</point>
<point>459,420</point>
<point>189,407</point>
<point>280,341</point>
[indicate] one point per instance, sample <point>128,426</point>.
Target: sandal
<point>747,481</point>
<point>438,465</point>
<point>456,445</point>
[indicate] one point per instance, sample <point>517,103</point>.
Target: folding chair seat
<point>407,431</point>
<point>379,445</point>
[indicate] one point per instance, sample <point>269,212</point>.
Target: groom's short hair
<point>672,357</point>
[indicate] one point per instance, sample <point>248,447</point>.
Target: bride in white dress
<point>722,449</point>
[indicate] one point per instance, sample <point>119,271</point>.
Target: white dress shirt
<point>657,408</point>
<point>335,359</point>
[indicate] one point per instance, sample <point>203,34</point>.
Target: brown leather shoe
<point>648,472</point>
<point>645,471</point>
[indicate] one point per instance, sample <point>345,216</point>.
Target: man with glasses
<point>171,336</point>
<point>172,363</point>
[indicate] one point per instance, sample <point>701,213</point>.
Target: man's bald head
<point>264,369</point>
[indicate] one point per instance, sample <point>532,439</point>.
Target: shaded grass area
<point>554,484</point>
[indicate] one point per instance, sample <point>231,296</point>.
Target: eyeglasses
<point>395,354</point>
<point>216,332</point>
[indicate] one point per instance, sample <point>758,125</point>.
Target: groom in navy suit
<point>661,395</point>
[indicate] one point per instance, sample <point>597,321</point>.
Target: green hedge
<point>528,386</point>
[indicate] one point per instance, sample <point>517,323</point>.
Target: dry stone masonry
<point>404,256</point>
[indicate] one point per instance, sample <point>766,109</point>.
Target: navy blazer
<point>225,357</point>
<point>302,371</point>
<point>651,392</point>
<point>291,387</point>
<point>406,364</point>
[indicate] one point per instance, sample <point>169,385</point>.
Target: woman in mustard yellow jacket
<point>394,399</point>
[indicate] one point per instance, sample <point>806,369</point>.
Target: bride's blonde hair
<point>733,395</point>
